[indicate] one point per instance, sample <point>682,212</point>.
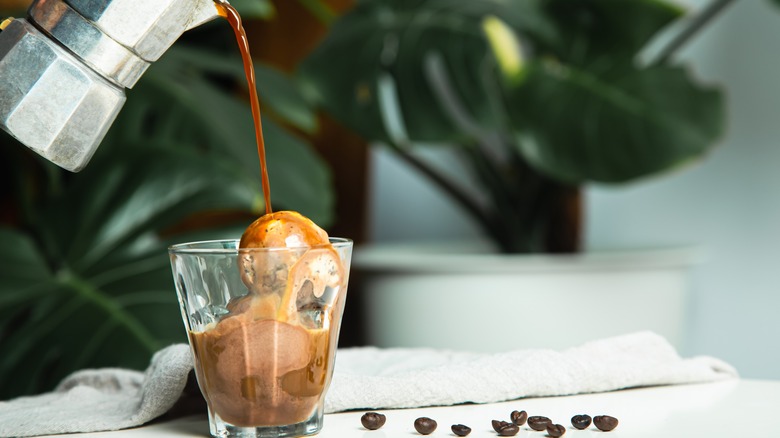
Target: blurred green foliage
<point>84,273</point>
<point>536,97</point>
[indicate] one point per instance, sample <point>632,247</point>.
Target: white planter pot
<point>467,298</point>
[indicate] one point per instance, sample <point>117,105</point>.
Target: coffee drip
<point>227,11</point>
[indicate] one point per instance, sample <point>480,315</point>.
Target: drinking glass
<point>263,326</point>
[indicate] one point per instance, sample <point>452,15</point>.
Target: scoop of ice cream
<point>266,272</point>
<point>283,229</point>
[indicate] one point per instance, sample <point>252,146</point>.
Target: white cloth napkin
<point>371,378</point>
<point>102,399</point>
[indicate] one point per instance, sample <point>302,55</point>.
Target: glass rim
<point>200,247</point>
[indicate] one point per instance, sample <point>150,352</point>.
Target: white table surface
<point>735,408</point>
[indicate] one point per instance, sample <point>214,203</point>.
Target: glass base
<point>222,429</point>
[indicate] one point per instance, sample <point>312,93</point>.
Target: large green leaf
<point>534,94</point>
<point>578,105</point>
<point>177,100</point>
<point>601,33</point>
<point>374,71</point>
<point>277,93</point>
<point>378,57</point>
<point>580,127</point>
<point>89,283</point>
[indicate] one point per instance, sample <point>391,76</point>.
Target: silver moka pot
<point>64,69</point>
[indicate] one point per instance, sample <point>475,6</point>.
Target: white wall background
<point>728,204</point>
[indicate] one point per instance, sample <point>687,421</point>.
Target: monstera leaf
<point>375,57</point>
<point>576,106</point>
<point>579,127</point>
<point>88,283</point>
<point>178,101</point>
<point>535,96</point>
<point>597,34</point>
<point>592,114</point>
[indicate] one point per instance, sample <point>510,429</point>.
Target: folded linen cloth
<point>372,378</point>
<point>101,399</point>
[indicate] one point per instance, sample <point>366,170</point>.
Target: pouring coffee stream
<point>229,12</point>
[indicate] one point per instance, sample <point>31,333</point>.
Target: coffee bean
<point>373,420</point>
<point>605,422</point>
<point>580,421</point>
<point>519,418</point>
<point>498,425</point>
<point>509,430</point>
<point>555,430</point>
<point>460,429</point>
<point>424,425</point>
<point>538,423</point>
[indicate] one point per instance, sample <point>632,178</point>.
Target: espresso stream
<point>228,12</point>
<point>261,365</point>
